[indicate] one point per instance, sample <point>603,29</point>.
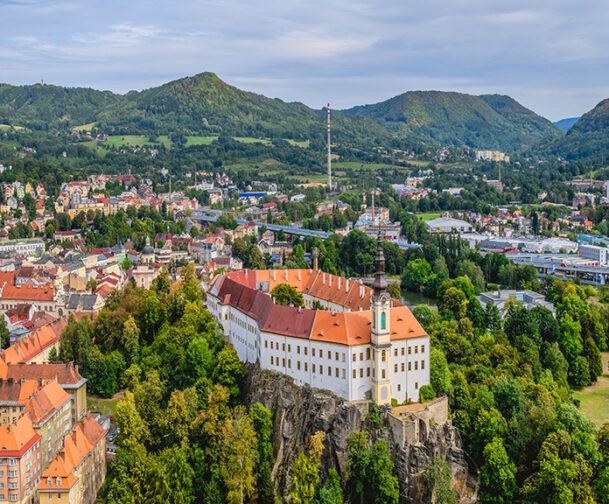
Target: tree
<point>228,371</point>
<point>305,472</point>
<point>580,372</point>
<point>130,341</point>
<point>240,448</point>
<point>426,393</point>
<point>131,427</point>
<point>416,275</point>
<point>263,425</point>
<point>394,290</point>
<point>255,260</point>
<point>383,484</point>
<point>497,474</point>
<point>570,339</point>
<point>453,303</point>
<point>126,264</point>
<point>331,491</point>
<point>284,294</point>
<point>473,272</point>
<point>179,414</point>
<point>75,341</point>
<point>5,340</point>
<point>437,483</point>
<point>91,284</point>
<point>439,374</point>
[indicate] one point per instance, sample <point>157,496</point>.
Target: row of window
<point>281,362</point>
<point>338,356</point>
<point>12,497</point>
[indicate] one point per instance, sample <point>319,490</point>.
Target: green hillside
<point>52,107</point>
<point>587,138</point>
<point>487,121</point>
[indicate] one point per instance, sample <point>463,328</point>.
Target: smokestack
<point>329,153</point>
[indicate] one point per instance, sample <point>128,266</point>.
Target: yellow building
<point>77,472</point>
<point>49,410</point>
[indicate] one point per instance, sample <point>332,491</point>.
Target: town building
<point>361,345</point>
<point>77,472</point>
<point>598,254</point>
<point>19,461</point>
<point>448,225</point>
<point>528,298</point>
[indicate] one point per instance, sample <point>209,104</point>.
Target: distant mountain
<point>43,106</point>
<point>565,124</point>
<point>205,105</point>
<point>588,137</point>
<point>487,121</point>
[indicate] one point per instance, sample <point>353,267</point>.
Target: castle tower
<point>380,340</point>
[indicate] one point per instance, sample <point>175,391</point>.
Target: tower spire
<point>379,285</point>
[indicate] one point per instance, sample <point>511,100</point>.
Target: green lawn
<point>300,143</point>
<point>84,127</point>
<point>429,216</point>
<point>248,140</point>
<point>135,140</point>
<point>594,400</point>
<point>199,140</point>
<point>104,406</point>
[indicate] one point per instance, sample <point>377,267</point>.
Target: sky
<point>550,55</point>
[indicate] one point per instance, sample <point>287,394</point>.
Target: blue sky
<point>551,55</point>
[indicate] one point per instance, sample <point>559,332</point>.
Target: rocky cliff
<point>414,434</point>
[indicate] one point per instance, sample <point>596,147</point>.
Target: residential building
<point>14,397</point>
<point>528,298</point>
<point>20,464</point>
<point>50,413</point>
<point>77,472</point>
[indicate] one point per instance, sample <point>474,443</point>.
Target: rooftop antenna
<point>329,153</point>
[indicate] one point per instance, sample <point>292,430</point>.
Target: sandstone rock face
<point>299,412</point>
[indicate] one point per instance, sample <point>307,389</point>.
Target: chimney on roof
<point>298,274</point>
<point>299,309</point>
<point>286,274</point>
<point>323,278</point>
<point>347,285</point>
<point>339,282</point>
<point>330,279</point>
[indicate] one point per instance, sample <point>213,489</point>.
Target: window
<point>383,324</point>
<point>298,349</point>
<point>402,367</point>
<point>409,350</point>
<point>410,366</point>
<point>329,370</point>
<point>337,371</point>
<point>361,372</point>
<point>416,365</point>
<point>321,369</point>
<point>383,374</point>
<point>373,319</point>
<point>313,352</point>
<point>383,356</point>
<point>306,350</point>
<point>395,352</point>
<point>289,348</point>
<point>399,387</point>
<point>329,355</point>
<point>336,356</point>
<point>313,368</point>
<point>283,362</point>
<point>395,368</point>
<point>422,364</point>
<point>298,365</point>
<point>344,376</point>
<point>272,359</point>
<point>290,363</point>
<point>416,349</point>
<point>416,385</point>
<point>422,348</point>
<point>343,356</point>
<point>361,356</point>
<point>14,497</point>
<point>402,350</point>
<point>12,474</point>
<point>368,371</point>
<point>12,461</point>
<point>283,347</point>
<point>354,357</point>
<point>354,373</point>
<point>266,344</point>
<point>271,345</point>
<point>367,354</point>
<point>306,366</point>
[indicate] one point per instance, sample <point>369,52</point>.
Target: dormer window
<point>49,482</point>
<point>58,482</point>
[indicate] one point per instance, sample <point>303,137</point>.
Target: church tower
<point>380,340</point>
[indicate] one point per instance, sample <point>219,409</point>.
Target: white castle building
<point>361,345</point>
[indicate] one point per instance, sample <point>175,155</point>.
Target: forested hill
<point>205,105</point>
<point>487,121</point>
<point>52,107</point>
<point>202,104</point>
<point>587,139</point>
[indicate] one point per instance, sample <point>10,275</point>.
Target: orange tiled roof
<point>80,442</point>
<point>65,374</point>
<point>17,438</point>
<point>28,292</point>
<point>18,391</point>
<point>46,402</point>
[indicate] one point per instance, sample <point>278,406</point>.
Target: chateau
<point>359,342</point>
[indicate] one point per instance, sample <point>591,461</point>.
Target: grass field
<point>84,127</point>
<point>119,141</point>
<point>356,165</point>
<point>429,216</point>
<point>104,406</point>
<point>300,143</point>
<point>248,140</point>
<point>8,127</point>
<point>594,400</point>
<point>199,140</point>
